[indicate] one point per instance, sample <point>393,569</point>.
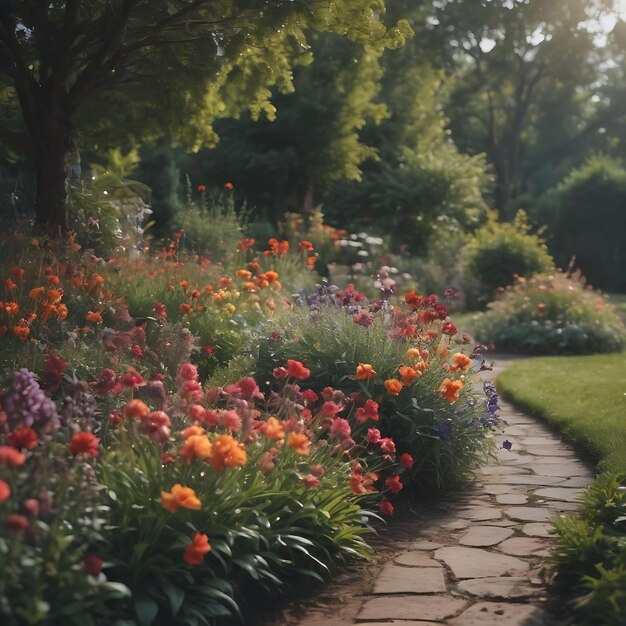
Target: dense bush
<point>497,253</point>
<point>551,314</point>
<point>587,220</point>
<point>590,556</point>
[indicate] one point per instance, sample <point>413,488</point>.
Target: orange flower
<point>193,430</point>
<point>300,443</point>
<point>393,386</point>
<point>195,551</point>
<point>360,484</point>
<point>274,429</point>
<point>136,409</point>
<point>94,316</point>
<point>364,370</point>
<point>196,447</point>
<point>10,284</point>
<point>185,308</point>
<point>245,274</point>
<point>227,452</point>
<point>225,282</point>
<point>408,374</point>
<point>180,498</point>
<point>306,245</point>
<point>460,363</point>
<point>36,293</point>
<point>61,312</point>
<point>21,330</point>
<point>53,279</point>
<point>84,443</point>
<point>12,308</point>
<point>450,389</point>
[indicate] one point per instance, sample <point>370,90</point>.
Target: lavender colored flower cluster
<point>26,405</point>
<point>493,404</point>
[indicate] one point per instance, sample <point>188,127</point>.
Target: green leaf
<point>146,609</point>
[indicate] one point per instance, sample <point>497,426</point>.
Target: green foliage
<point>211,226</point>
<point>590,556</point>
<point>497,253</point>
<point>587,220</point>
<point>554,314</point>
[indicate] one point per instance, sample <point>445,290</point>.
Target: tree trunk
<point>52,144</point>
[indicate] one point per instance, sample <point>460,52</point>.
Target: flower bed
<point>134,488</point>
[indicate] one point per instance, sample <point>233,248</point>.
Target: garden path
<point>476,559</point>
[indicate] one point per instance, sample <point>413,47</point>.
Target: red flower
<point>373,435</point>
<point>394,483</point>
<point>18,523</point>
<point>195,551</point>
<point>93,564</point>
<point>201,188</point>
<point>84,443</point>
<point>449,329</point>
<point>5,491</point>
<point>11,457</point>
<point>23,438</point>
<point>296,370</point>
<point>229,186</point>
<point>386,508</point>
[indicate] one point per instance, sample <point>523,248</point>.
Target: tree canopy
<point>126,70</point>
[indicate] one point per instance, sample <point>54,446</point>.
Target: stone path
<point>478,560</point>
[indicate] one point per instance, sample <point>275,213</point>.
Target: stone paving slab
<point>428,608</point>
<point>398,579</point>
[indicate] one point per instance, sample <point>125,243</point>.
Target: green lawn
<point>584,397</point>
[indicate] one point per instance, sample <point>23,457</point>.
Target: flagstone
<point>425,545</point>
<point>560,493</point>
<point>524,546</point>
<point>546,481</point>
<point>500,587</point>
<point>511,498</point>
<point>428,608</point>
<point>538,530</point>
<point>500,614</point>
<point>398,579</point>
<point>477,563</point>
<point>566,470</point>
<point>529,513</point>
<point>417,558</point>
<point>485,536</point>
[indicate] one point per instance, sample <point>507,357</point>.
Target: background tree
<point>524,75</point>
<point>98,71</point>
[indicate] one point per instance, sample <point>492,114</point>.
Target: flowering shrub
<point>400,374</point>
<point>551,314</point>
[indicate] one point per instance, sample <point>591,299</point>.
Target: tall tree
<point>524,72</point>
<point>113,69</point>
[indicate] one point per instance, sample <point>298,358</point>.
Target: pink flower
<point>406,460</point>
<point>186,371</point>
<point>369,411</point>
<point>340,427</point>
<point>387,445</point>
<point>329,409</point>
<point>232,421</point>
<point>310,396</point>
<point>373,435</point>
<point>280,373</point>
<point>310,481</point>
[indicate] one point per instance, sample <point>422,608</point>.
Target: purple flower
<point>506,444</point>
<point>26,405</point>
